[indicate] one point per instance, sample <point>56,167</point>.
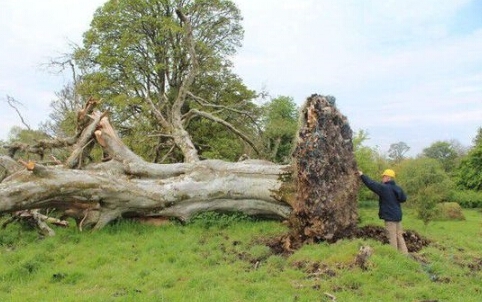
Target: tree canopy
<point>444,152</point>
<point>469,175</point>
<point>160,66</point>
<point>397,151</point>
<point>280,126</point>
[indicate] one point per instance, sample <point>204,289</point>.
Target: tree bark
<point>317,193</point>
<point>173,190</point>
<point>129,186</point>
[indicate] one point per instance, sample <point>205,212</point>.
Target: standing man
<point>390,196</point>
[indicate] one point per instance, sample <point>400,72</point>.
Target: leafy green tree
<point>416,174</point>
<point>162,65</point>
<point>231,102</point>
<point>21,138</point>
<point>444,152</point>
<point>426,203</point>
<point>397,151</point>
<point>478,138</point>
<point>426,184</point>
<point>280,127</point>
<point>469,172</point>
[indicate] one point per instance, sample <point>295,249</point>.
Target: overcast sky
<point>406,71</point>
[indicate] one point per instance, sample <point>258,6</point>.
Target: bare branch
<point>40,147</point>
<point>206,103</point>
<point>157,113</point>
<point>85,139</point>
<point>12,102</point>
<point>189,39</point>
<point>195,112</point>
<point>168,153</point>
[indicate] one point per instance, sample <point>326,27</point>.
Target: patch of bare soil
<point>476,265</point>
<point>415,242</point>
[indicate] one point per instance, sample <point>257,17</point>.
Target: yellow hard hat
<point>389,173</point>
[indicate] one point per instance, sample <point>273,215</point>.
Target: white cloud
<point>399,69</point>
<point>395,63</point>
<point>32,33</point>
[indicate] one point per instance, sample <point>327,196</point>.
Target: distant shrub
<point>415,175</point>
<point>449,211</point>
<point>467,199</point>
<point>426,201</point>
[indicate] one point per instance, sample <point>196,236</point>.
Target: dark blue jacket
<point>389,198</point>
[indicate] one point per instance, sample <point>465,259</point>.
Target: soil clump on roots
<point>326,177</point>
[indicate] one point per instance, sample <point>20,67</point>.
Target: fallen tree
<point>127,186</point>
<point>316,194</point>
<point>116,189</point>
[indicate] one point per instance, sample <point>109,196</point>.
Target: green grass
<point>227,261</point>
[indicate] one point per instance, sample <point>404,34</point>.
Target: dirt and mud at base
<point>414,241</point>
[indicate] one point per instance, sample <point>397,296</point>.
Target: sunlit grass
<point>228,261</point>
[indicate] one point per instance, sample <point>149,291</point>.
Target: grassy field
<point>226,260</point>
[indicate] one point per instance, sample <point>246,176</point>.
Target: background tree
<point>280,126</point>
<point>62,118</point>
<point>161,66</point>
<point>231,102</point>
<point>460,149</point>
<point>397,151</point>
<point>426,184</point>
<point>19,139</point>
<point>2,150</point>
<point>469,174</point>
<point>444,152</point>
<point>478,137</point>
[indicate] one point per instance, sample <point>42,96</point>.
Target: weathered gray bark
<point>317,193</point>
<point>179,190</point>
<point>126,185</point>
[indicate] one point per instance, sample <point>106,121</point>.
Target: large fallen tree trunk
<point>126,185</point>
<point>180,190</point>
<point>319,194</point>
